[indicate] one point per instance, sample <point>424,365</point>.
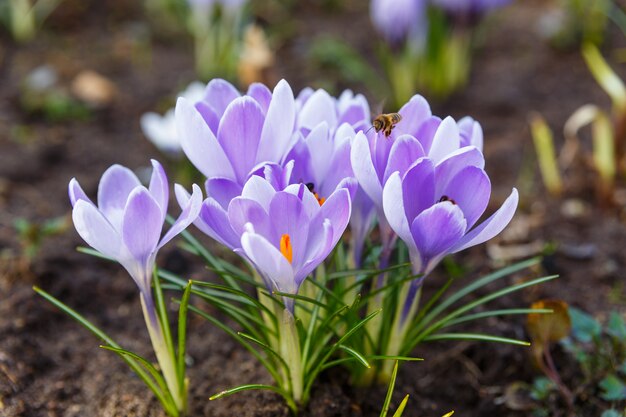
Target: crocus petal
<point>458,160</point>
<point>337,209</point>
<point>222,190</point>
<point>260,190</point>
<point>320,107</point>
<point>219,94</point>
<point>318,248</point>
<point>404,152</point>
<point>471,132</point>
<point>437,229</point>
<point>492,226</point>
<point>320,146</point>
<point>446,140</point>
<point>292,219</point>
<point>95,229</point>
<point>159,187</point>
<point>76,192</point>
<point>243,211</point>
<point>208,114</point>
<point>364,170</point>
<point>393,205</point>
<point>239,134</point>
<point>142,225</point>
<point>279,124</point>
<point>189,214</point>
<point>269,261</point>
<point>116,184</point>
<point>261,94</point>
<point>414,113</point>
<point>470,189</point>
<point>418,188</point>
<point>200,144</point>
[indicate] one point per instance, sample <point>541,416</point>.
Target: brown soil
<point>50,366</point>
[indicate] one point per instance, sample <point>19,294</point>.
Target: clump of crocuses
<point>286,176</point>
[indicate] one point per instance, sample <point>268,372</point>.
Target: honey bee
<point>385,122</point>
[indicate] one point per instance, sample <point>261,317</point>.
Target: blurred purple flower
<point>285,235</point>
<point>127,222</point>
<point>475,7</point>
<point>399,20</point>
<point>229,137</point>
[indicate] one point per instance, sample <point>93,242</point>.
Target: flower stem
<point>163,350</point>
<point>291,353</point>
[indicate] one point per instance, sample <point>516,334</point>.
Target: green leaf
<point>475,336</point>
<point>356,355</point>
<point>402,406</point>
<point>613,388</point>
<point>182,334</point>
<point>248,387</point>
<point>392,384</point>
<point>584,327</point>
<point>616,326</point>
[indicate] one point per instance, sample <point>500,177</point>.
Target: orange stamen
<point>319,199</point>
<point>285,247</point>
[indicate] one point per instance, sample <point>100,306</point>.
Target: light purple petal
<point>337,209</point>
<point>95,229</point>
<point>189,214</point>
<point>470,189</point>
<point>405,151</point>
<point>239,135</point>
<point>418,188</point>
<point>76,192</point>
<point>261,94</point>
<point>279,124</point>
<point>364,170</point>
<point>222,190</point>
<point>321,147</point>
<point>142,225</point>
<point>242,211</point>
<point>260,190</point>
<point>115,186</point>
<point>288,216</point>
<point>319,247</point>
<point>437,229</point>
<point>200,144</point>
<point>471,132</point>
<point>446,140</point>
<point>219,94</point>
<point>393,205</point>
<point>208,114</point>
<point>414,114</point>
<point>310,203</point>
<point>455,162</point>
<point>269,262</point>
<point>426,132</point>
<point>159,187</point>
<point>492,226</point>
<point>320,107</point>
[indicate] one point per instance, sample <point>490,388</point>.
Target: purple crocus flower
<point>229,137</point>
<point>399,20</point>
<point>126,226</point>
<point>127,222</point>
<point>285,234</point>
<point>375,157</point>
<point>433,207</point>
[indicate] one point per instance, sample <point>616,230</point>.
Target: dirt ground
<point>50,366</point>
